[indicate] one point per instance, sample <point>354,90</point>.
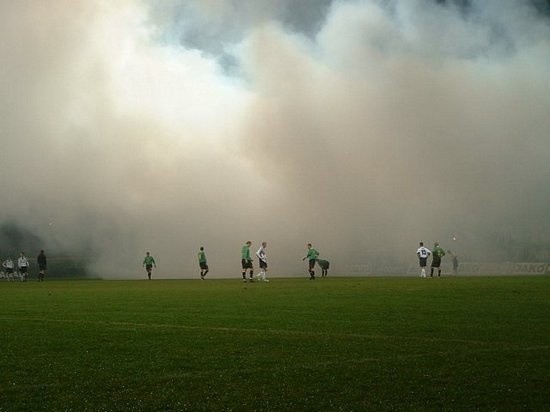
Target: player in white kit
<point>262,257</point>
<point>423,254</point>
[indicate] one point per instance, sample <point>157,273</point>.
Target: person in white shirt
<point>423,254</point>
<point>262,257</point>
<point>8,265</point>
<point>23,266</point>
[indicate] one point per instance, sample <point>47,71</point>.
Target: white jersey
<point>22,262</point>
<point>261,253</point>
<point>423,252</point>
<point>8,264</point>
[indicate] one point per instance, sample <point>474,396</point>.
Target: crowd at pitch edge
<point>247,263</point>
<point>21,272</point>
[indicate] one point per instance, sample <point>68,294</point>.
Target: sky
<point>361,126</point>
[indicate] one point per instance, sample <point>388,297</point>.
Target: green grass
<point>292,344</point>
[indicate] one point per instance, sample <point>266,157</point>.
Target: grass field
<point>293,344</point>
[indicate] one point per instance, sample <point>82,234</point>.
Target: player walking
<point>423,253</point>
<point>437,254</point>
<point>246,261</point>
<point>312,255</point>
<point>42,266</point>
<point>262,258</point>
<point>454,257</point>
<point>202,263</point>
<point>149,262</point>
<point>23,266</point>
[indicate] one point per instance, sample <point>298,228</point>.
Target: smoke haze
<point>362,127</point>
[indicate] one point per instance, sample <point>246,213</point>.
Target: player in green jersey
<point>149,262</point>
<point>246,262</point>
<point>437,254</point>
<point>312,255</point>
<point>202,263</point>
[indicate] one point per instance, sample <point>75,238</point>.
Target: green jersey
<point>202,257</point>
<point>149,260</point>
<point>312,254</point>
<point>438,252</point>
<point>245,253</point>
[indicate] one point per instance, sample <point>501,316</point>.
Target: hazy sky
<point>362,127</point>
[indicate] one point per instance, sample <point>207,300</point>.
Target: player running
<point>423,253</point>
<point>202,263</point>
<point>262,258</point>
<point>8,265</point>
<point>312,255</point>
<point>246,261</point>
<point>437,254</point>
<point>149,262</point>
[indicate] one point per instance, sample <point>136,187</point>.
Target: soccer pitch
<point>331,344</point>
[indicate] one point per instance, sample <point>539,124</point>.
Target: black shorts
<point>423,262</point>
<point>246,264</point>
<point>9,271</point>
<point>311,264</point>
<point>203,265</point>
<point>23,269</point>
<point>42,267</point>
<point>263,264</point>
<point>436,262</point>
<point>148,268</point>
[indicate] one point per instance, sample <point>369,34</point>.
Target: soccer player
<point>202,263</point>
<point>455,261</point>
<point>149,262</point>
<point>262,258</point>
<point>246,261</point>
<point>437,254</point>
<point>312,255</point>
<point>324,265</point>
<point>423,253</point>
<point>42,265</point>
<point>8,265</point>
<point>23,266</point>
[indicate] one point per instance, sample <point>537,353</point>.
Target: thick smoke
<point>360,126</point>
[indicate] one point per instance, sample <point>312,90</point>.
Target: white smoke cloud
<point>394,122</point>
